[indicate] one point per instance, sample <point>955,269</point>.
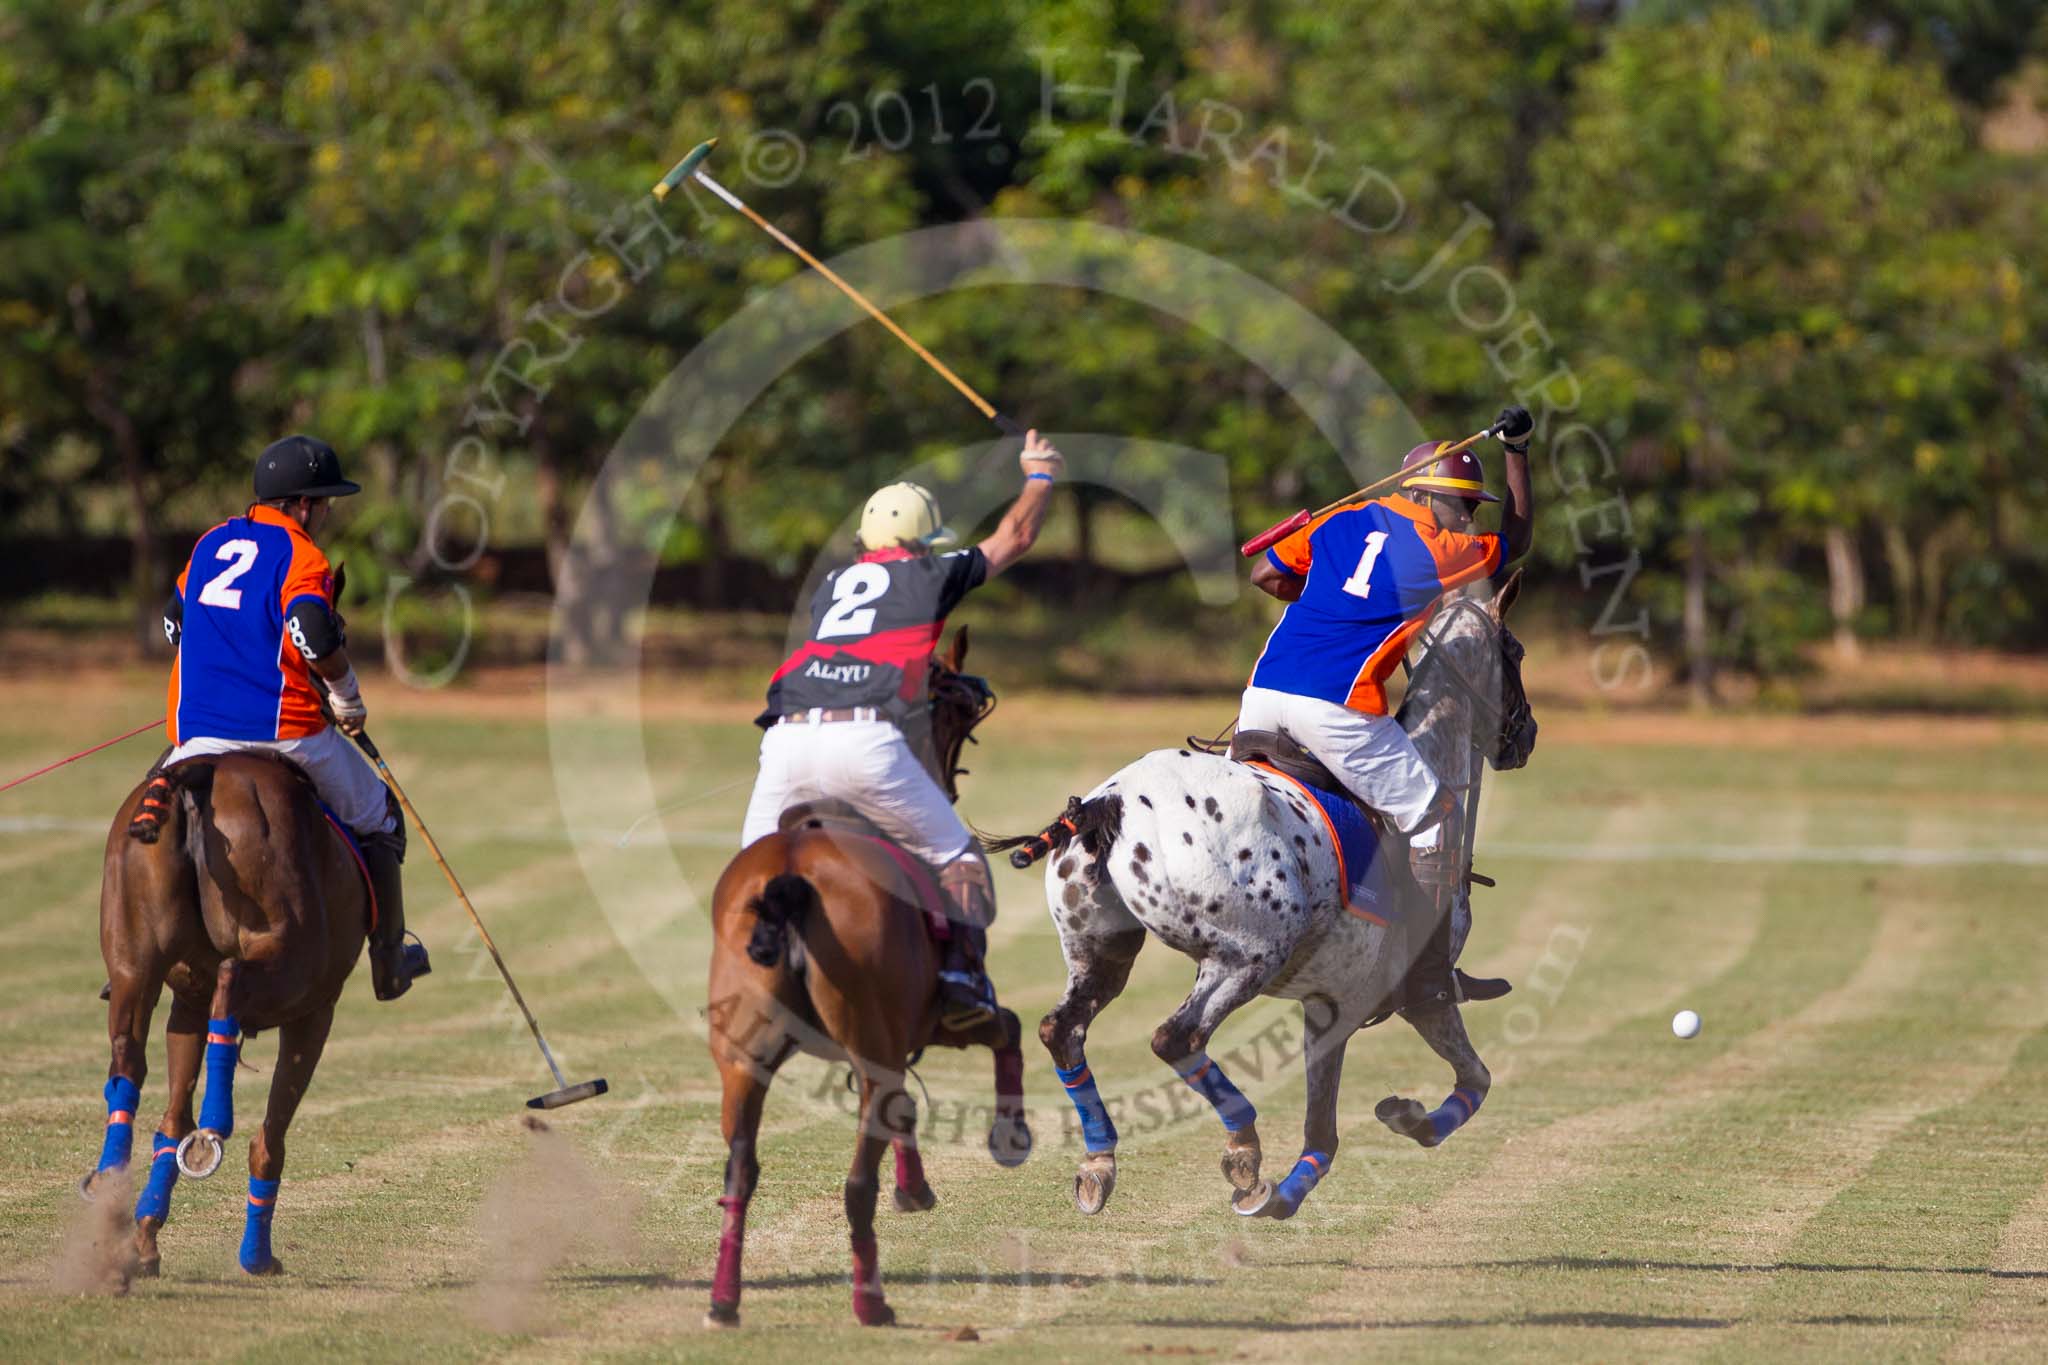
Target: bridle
<point>959,703</point>
<point>1515,732</point>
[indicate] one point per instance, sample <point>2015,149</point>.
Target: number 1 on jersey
<point>1360,582</point>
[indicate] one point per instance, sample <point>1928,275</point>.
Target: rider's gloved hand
<point>1515,426</point>
<point>345,700</point>
<point>1038,456</point>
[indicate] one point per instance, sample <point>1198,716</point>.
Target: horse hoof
<point>209,1148</point>
<point>723,1315</point>
<point>1252,1203</point>
<point>1093,1184</point>
<point>1241,1168</point>
<point>273,1266</point>
<point>85,1190</point>
<point>915,1201</point>
<point>873,1311</point>
<point>1010,1141</point>
<point>150,1269</point>
<point>1408,1118</point>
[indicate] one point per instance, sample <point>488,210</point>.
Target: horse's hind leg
<point>1221,987</point>
<point>744,1080</point>
<point>131,1002</point>
<point>1328,1026</point>
<point>878,1106</point>
<point>1100,939</point>
<point>182,1051</point>
<point>200,1152</point>
<point>1443,1028</point>
<point>299,1045</point>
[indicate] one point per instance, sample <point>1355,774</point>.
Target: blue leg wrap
<point>223,1050</point>
<point>1211,1084</point>
<point>1456,1110</point>
<point>122,1096</point>
<point>163,1178</point>
<point>1098,1134</point>
<point>256,1231</point>
<point>1304,1177</point>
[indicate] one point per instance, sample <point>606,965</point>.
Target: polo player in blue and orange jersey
<point>1360,583</point>
<point>253,620</point>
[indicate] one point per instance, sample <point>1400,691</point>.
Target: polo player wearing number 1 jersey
<point>253,620</point>
<point>1360,583</point>
<point>837,706</point>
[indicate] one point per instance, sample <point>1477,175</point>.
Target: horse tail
<point>786,898</point>
<point>1095,822</point>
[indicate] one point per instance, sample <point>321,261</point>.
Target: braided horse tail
<point>1095,823</point>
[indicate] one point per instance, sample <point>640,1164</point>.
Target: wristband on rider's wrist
<point>1038,474</point>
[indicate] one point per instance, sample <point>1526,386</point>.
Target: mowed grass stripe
<point>1737,1188</point>
<point>2010,1316</point>
<point>1525,1191</point>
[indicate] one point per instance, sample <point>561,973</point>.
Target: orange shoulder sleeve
<point>308,575</point>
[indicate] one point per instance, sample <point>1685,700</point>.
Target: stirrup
<point>965,1000</point>
<point>1480,988</point>
<point>394,968</point>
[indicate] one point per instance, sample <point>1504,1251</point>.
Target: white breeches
<point>867,763</point>
<point>345,782</point>
<point>1372,755</point>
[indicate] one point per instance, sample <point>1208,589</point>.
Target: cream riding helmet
<point>905,515</point>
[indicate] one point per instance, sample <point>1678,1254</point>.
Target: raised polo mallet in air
<point>689,169</point>
<point>1278,532</point>
<point>563,1093</point>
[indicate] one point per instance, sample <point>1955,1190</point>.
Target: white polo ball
<point>1685,1023</point>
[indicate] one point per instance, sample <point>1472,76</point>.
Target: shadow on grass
<point>1770,1268</point>
<point>1608,1321</point>
<point>1010,1279</point>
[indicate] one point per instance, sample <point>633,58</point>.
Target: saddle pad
<point>922,885</point>
<point>348,837</point>
<point>1360,869</point>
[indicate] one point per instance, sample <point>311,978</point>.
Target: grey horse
<point>1233,865</point>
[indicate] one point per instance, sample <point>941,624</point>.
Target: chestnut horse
<point>821,945</point>
<point>252,907</point>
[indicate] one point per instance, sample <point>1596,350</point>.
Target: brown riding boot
<point>967,998</point>
<point>394,963</point>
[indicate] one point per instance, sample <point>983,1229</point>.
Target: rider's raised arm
<point>1282,571</point>
<point>1518,510</point>
<point>1020,525</point>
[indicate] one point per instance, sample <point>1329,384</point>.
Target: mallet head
<point>684,168</point>
<point>555,1099</point>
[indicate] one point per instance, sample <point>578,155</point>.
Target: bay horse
<point>1233,865</point>
<point>252,906</point>
<point>821,944</point>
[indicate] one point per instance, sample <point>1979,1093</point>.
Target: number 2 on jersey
<point>851,592</point>
<point>220,590</point>
<point>1360,582</point>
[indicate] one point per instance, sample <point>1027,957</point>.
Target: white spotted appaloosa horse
<point>1226,862</point>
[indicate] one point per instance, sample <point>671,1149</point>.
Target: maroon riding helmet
<point>1429,470</point>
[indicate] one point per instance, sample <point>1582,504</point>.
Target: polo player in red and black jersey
<point>837,705</point>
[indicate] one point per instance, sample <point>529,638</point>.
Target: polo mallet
<point>1273,535</point>
<point>563,1093</point>
<point>688,169</point>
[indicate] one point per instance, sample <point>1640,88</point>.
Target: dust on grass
<point>546,1211</point>
<point>96,1249</point>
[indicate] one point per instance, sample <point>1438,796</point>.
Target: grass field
<point>1851,1161</point>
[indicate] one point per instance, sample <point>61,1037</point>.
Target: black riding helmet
<point>301,467</point>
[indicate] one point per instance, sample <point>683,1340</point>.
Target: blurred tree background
<point>1788,252</point>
